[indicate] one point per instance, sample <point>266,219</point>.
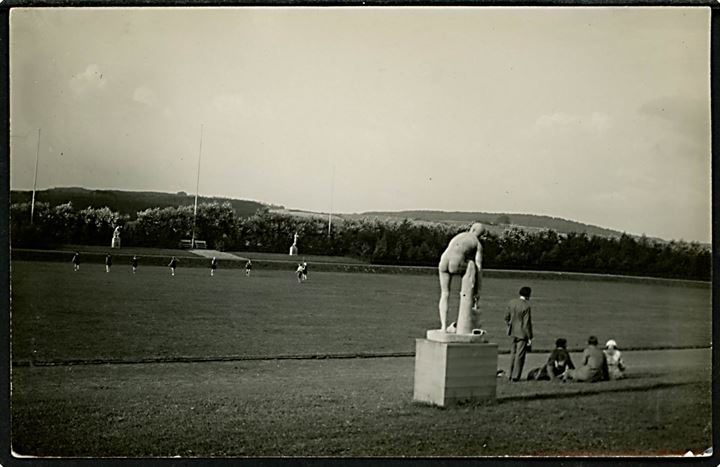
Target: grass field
<point>332,407</point>
<point>285,257</point>
<point>352,407</point>
<point>59,315</point>
<point>168,252</point>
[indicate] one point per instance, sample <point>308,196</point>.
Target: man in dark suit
<point>519,325</point>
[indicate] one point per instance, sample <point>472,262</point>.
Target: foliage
<point>379,241</point>
<point>61,224</point>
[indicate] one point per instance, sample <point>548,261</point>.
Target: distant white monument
<point>293,247</point>
<point>115,243</point>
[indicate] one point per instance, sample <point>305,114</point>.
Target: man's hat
<point>611,344</point>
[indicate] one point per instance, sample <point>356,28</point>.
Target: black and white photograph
<point>360,232</point>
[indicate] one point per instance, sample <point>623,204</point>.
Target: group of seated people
<point>597,365</point>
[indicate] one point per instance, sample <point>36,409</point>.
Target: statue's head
<point>477,229</point>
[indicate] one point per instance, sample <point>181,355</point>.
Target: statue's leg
<point>445,279</point>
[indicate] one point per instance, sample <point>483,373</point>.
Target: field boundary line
<point>228,358</point>
<point>241,358</point>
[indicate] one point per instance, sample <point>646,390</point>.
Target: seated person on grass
<point>594,367</point>
<point>616,367</point>
<point>558,362</point>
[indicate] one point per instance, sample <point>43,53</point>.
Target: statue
<point>457,364</point>
<point>115,243</point>
<point>293,247</point>
<point>463,255</point>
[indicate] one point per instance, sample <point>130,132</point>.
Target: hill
<point>494,222</point>
<point>526,221</point>
<point>128,202</point>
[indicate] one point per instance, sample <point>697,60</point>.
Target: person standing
<point>519,327</point>
<point>134,263</point>
<point>76,261</point>
<point>248,267</point>
<point>213,266</point>
<point>173,265</point>
<point>108,262</point>
<point>304,271</point>
<point>299,272</point>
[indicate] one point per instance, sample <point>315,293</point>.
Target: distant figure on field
<point>616,367</point>
<point>594,366</point>
<point>108,262</point>
<point>76,261</point>
<point>173,265</point>
<point>519,327</point>
<point>213,266</point>
<point>304,271</point>
<point>134,263</point>
<point>248,267</point>
<point>299,272</point>
<point>462,249</point>
<point>557,363</point>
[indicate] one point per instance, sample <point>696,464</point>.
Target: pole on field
<point>197,188</point>
<point>332,192</point>
<point>37,157</point>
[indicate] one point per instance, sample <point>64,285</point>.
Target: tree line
<point>398,242</point>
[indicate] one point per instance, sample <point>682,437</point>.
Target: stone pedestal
<point>447,373</point>
<point>115,243</point>
<point>293,250</point>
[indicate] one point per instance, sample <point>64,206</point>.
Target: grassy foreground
<point>352,407</point>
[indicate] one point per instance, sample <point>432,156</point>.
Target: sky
<point>599,115</point>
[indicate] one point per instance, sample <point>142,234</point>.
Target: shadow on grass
<point>592,391</point>
<point>537,391</point>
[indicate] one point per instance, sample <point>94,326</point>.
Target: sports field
<point>171,398</point>
<point>58,314</point>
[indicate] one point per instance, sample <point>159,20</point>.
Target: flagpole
<point>37,157</point>
<point>197,189</point>
<point>332,192</point>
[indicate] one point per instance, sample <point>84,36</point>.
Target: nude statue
<point>115,241</point>
<point>463,256</point>
<point>294,247</point>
